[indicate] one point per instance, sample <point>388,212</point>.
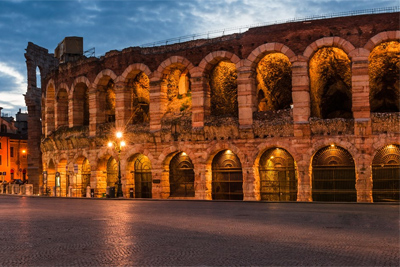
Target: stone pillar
<point>156,101</point>
<point>122,108</point>
<point>98,182</point>
<point>200,183</point>
<point>360,91</point>
<point>251,192</point>
<point>246,97</point>
<point>304,182</point>
<point>200,100</point>
<point>160,186</point>
<point>301,97</point>
<point>364,180</point>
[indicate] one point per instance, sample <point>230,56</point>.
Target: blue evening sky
<point>109,25</point>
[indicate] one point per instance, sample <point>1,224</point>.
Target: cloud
<point>18,79</point>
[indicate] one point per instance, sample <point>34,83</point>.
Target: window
<point>0,145</point>
<point>0,160</point>
<point>11,152</point>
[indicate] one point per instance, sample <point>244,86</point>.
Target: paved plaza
<point>40,231</point>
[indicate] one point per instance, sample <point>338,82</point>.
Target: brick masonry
<point>65,142</point>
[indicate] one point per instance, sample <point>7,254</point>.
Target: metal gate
<point>278,181</point>
<point>227,178</point>
<point>333,175</point>
<point>181,176</point>
<point>386,174</point>
<point>143,178</point>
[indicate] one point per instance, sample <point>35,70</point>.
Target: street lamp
<point>118,144</point>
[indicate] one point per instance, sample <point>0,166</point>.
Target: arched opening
<point>227,178</point>
<point>38,78</point>
<point>50,181</point>
<point>112,174</point>
<point>139,87</point>
<point>106,100</point>
<point>384,79</point>
<point>386,174</point>
<point>330,84</point>
<point>274,82</point>
<point>179,96</point>
<point>223,86</point>
<point>62,108</point>
<point>140,167</point>
<point>49,110</point>
<point>181,176</point>
<point>333,175</point>
<point>278,181</point>
<point>81,105</point>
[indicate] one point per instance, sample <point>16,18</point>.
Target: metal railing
<point>241,29</point>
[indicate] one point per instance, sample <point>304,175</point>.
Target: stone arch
<point>49,107</point>
<point>257,54</point>
<point>380,38</point>
<point>61,107</point>
<point>139,176</point>
<point>333,175</point>
<point>135,93</point>
<point>80,102</point>
<point>270,97</point>
<point>174,75</point>
<point>220,100</point>
<point>338,42</point>
<point>330,84</point>
<point>104,89</point>
<point>383,71</point>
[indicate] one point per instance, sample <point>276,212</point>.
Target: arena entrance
<point>333,175</point>
<point>227,178</point>
<point>181,176</point>
<point>278,181</point>
<point>386,174</point>
<point>143,178</point>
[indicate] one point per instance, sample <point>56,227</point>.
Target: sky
<point>114,25</point>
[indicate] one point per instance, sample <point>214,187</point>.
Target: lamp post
<point>118,144</point>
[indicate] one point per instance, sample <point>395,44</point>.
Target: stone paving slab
<point>37,231</point>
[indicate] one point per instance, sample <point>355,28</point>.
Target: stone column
<point>364,179</point>
<point>360,92</point>
<point>93,111</point>
<point>301,97</point>
<point>250,190</point>
<point>122,107</point>
<point>246,97</point>
<point>200,100</point>
<point>304,181</point>
<point>200,183</point>
<point>156,101</point>
<point>160,186</point>
<point>98,182</point>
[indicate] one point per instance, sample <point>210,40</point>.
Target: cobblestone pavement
<point>38,231</point>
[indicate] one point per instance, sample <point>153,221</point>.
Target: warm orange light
<point>119,134</point>
<point>271,157</point>
<point>110,144</point>
<point>333,145</point>
<point>123,143</point>
<point>229,152</point>
<point>184,154</point>
<point>23,151</point>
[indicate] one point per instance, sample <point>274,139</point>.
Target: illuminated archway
<point>223,85</point>
<point>181,176</point>
<point>333,175</point>
<point>384,68</point>
<point>278,181</point>
<point>227,178</point>
<point>138,84</point>
<point>62,107</point>
<point>330,84</point>
<point>274,82</point>
<point>386,174</point>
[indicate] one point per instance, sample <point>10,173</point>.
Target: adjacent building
<point>13,147</point>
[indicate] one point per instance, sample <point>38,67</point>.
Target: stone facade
<point>67,141</point>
